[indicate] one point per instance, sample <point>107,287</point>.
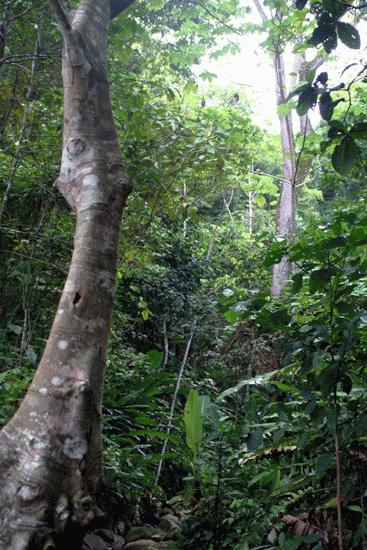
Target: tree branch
<point>261,10</point>
<point>61,16</point>
<point>316,62</point>
<point>118,6</point>
<point>212,14</point>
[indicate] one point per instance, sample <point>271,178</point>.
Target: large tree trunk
<point>50,451</point>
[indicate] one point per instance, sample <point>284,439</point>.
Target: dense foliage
<point>251,412</point>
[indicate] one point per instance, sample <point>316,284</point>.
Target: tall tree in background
<point>50,452</point>
<point>294,169</point>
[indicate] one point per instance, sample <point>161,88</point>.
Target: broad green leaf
<point>345,155</point>
<point>284,387</point>
<point>16,329</point>
<point>335,7</point>
<point>300,88</point>
<point>359,131</point>
<point>231,316</point>
<point>307,100</point>
<point>331,42</point>
<point>326,106</point>
<point>349,35</point>
<point>154,358</point>
<point>255,440</point>
<point>193,422</point>
<point>325,33</point>
<point>355,508</point>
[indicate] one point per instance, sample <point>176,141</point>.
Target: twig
<point>174,398</point>
<point>61,16</point>
<point>35,260</point>
<point>232,29</point>
<point>338,491</point>
<point>166,346</point>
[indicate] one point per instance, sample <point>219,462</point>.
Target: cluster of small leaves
<point>329,28</point>
<point>310,93</point>
<point>345,140</point>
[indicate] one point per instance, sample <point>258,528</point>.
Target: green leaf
<point>324,145</point>
<point>349,35</point>
<point>359,131</point>
<point>335,7</point>
<point>276,482</point>
<point>355,508</point>
<point>193,422</point>
<point>305,328</point>
<point>255,440</point>
<point>156,4</point>
<point>345,155</point>
<point>326,106</point>
<point>336,129</point>
<point>297,282</point>
<point>154,358</point>
<point>338,124</point>
<point>331,42</point>
<point>361,426</point>
<point>335,242</point>
<point>284,387</point>
<point>321,277</point>
<point>231,316</point>
<point>307,100</point>
<point>16,329</point>
<point>325,33</point>
<point>300,4</point>
<point>300,88</point>
<point>328,379</point>
<point>309,539</point>
<point>276,253</point>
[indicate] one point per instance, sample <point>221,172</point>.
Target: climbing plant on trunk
<point>50,451</point>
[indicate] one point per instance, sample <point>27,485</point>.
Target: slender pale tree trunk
<point>251,196</point>
<point>286,212</point>
<point>50,451</point>
<point>295,169</point>
<point>4,22</point>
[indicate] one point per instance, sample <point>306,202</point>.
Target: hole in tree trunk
<point>76,298</point>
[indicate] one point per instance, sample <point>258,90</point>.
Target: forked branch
<point>61,16</point>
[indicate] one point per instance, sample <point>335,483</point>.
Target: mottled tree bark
<point>50,451</point>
